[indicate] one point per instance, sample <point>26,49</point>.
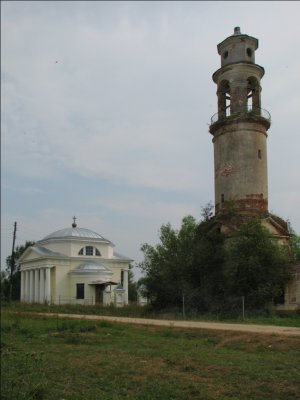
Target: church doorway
<point>99,289</point>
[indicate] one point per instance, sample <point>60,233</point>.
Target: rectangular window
<point>79,290</point>
<point>89,250</point>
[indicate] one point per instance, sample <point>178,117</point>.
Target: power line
<point>12,265</point>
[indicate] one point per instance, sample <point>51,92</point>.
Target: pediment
<point>275,225</point>
<point>38,252</point>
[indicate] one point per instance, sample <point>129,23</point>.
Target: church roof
<point>119,256</point>
<point>42,251</point>
<point>75,233</point>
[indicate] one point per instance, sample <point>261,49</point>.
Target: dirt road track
<point>264,329</point>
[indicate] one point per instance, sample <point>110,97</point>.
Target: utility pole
<point>12,262</point>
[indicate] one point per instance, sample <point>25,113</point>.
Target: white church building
<point>74,266</point>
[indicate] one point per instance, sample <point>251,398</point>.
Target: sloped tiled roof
<point>119,256</point>
<point>42,251</point>
<point>92,267</point>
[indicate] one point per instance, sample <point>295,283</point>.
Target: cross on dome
<point>74,225</point>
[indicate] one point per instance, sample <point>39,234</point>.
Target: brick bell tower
<point>239,130</point>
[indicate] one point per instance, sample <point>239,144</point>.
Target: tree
<point>132,285</point>
<point>16,277</point>
<point>4,284</point>
<point>294,243</point>
<point>207,211</point>
<point>167,264</point>
<point>208,271</point>
<point>256,266</point>
<point>208,262</point>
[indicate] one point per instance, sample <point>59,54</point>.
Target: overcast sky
<point>106,107</point>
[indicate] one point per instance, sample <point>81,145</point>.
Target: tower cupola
<point>237,48</point>
<point>238,79</point>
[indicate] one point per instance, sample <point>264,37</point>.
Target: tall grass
<point>62,359</point>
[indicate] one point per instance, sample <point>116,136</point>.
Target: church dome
<point>74,233</point>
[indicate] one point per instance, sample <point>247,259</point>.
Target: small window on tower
<point>259,154</point>
<point>222,198</point>
<point>249,52</point>
<point>225,55</point>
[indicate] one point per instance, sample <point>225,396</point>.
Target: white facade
<point>74,266</point>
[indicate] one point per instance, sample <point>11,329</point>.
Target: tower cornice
<point>242,66</point>
<point>243,117</point>
<point>234,39</point>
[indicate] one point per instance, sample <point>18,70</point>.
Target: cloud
<point>80,118</point>
<point>106,106</point>
<point>23,190</point>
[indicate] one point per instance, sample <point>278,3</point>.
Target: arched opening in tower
<point>253,95</point>
<point>224,99</point>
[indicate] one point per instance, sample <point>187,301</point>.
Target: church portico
<point>36,285</point>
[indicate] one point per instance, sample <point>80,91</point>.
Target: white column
<point>36,285</point>
<point>31,286</point>
<point>27,286</point>
<point>22,285</point>
<point>42,285</point>
<point>125,286</point>
<point>48,286</point>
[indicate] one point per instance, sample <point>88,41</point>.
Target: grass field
<point>72,359</point>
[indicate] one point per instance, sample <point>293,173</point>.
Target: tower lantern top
<point>237,48</point>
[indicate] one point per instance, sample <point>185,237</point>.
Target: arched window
<point>89,251</point>
<point>253,94</point>
<point>223,99</point>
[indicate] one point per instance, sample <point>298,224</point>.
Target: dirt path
<point>265,329</point>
